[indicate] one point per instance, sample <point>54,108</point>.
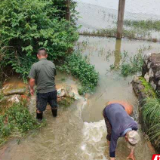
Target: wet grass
<point>143,24</point>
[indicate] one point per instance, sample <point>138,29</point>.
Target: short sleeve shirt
<point>44,73</point>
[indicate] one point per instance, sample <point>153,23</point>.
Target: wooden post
<point>68,10</point>
<point>120,18</point>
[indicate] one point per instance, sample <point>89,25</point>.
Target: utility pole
<point>120,18</point>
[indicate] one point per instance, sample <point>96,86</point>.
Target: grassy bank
<point>16,121</point>
<point>150,112</point>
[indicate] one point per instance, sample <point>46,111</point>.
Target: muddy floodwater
<point>79,132</point>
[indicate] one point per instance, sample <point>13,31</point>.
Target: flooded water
<point>79,132</point>
<point>136,6</point>
<point>102,14</point>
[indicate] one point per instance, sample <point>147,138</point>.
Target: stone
<point>14,98</point>
<point>149,65</point>
<point>146,77</point>
<point>151,74</point>
<point>14,88</point>
<point>157,74</point>
<point>153,85</point>
<point>61,92</point>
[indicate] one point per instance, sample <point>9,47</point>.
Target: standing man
<point>42,74</point>
<point>120,124</point>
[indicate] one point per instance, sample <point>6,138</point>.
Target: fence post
<point>120,18</point>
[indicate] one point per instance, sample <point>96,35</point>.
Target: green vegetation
<point>17,121</point>
<point>148,90</point>
<point>144,24</point>
<point>151,117</point>
<point>76,65</point>
<point>134,65</point>
<point>26,26</point>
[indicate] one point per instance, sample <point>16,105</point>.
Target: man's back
<point>119,118</point>
<point>44,73</point>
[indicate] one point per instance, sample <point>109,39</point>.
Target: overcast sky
<point>133,6</point>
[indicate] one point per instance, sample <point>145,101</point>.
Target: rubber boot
<point>39,116</point>
<point>54,112</point>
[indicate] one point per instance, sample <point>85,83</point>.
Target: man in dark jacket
<point>42,74</point>
<point>120,124</point>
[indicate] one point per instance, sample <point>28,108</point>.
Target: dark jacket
<point>119,121</point>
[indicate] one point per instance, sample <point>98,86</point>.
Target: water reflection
<point>117,54</point>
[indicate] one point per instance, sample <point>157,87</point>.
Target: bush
<point>78,67</point>
<point>151,116</point>
<point>134,65</point>
<point>26,26</point>
<point>17,119</point>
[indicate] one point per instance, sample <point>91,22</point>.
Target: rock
<point>157,74</point>
<point>153,85</point>
<point>149,65</point>
<point>151,70</point>
<point>14,98</point>
<point>68,91</point>
<point>14,88</point>
<point>61,92</point>
<point>146,77</point>
<point>151,74</point>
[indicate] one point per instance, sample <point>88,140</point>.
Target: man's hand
<point>131,155</point>
<point>32,92</point>
<point>31,85</point>
<point>112,158</point>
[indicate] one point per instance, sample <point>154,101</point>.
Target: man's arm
<point>113,146</point>
<point>31,85</point>
<point>32,76</point>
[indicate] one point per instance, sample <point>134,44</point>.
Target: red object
<point>156,157</point>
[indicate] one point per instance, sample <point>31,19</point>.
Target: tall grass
<point>151,117</point>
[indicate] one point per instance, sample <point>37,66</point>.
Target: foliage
<point>144,24</point>
<point>151,116</point>
<point>17,119</point>
<point>134,65</point>
<point>26,26</point>
<point>78,67</point>
<point>148,88</point>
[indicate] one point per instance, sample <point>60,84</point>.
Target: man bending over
<point>120,124</point>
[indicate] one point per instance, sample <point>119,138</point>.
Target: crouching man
<point>43,74</point>
<point>120,124</point>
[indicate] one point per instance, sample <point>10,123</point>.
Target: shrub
<point>78,67</point>
<point>17,119</point>
<point>27,25</point>
<point>134,65</point>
